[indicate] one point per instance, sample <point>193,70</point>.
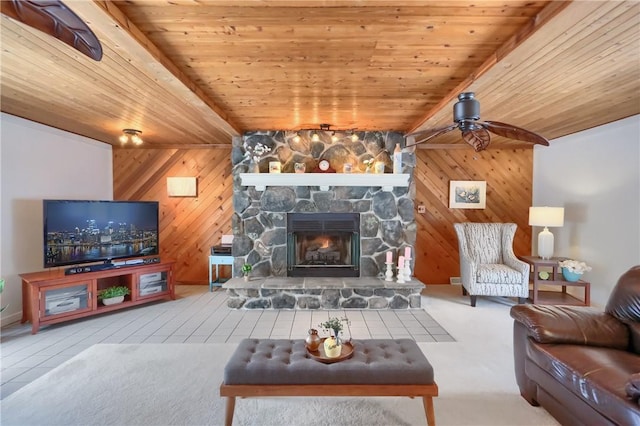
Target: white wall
<point>39,162</point>
<point>595,176</point>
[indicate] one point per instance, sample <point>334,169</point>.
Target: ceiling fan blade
<point>431,133</point>
<point>478,138</point>
<point>512,132</point>
<point>56,19</point>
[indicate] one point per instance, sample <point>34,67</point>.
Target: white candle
<point>389,257</point>
<point>407,252</point>
<point>400,262</point>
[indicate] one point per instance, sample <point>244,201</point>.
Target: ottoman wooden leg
<point>428,410</point>
<point>231,405</point>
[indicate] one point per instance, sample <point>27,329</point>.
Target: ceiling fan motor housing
<point>466,109</point>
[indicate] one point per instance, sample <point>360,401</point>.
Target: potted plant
<point>113,295</point>
<point>333,343</point>
<point>572,270</point>
<point>246,270</point>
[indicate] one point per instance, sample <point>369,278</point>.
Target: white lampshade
<point>546,216</point>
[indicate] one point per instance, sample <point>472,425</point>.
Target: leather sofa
<point>579,362</point>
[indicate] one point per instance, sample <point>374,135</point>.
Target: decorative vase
<point>112,300</point>
<point>570,276</point>
<point>332,349</point>
<point>246,278</point>
<point>313,340</point>
<point>253,167</point>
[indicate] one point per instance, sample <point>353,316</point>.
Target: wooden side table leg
<point>428,410</point>
<point>587,294</point>
<point>228,414</point>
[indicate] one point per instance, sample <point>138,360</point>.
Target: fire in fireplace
<point>323,244</point>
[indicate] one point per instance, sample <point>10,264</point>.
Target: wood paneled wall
<point>190,226</point>
<point>508,173</point>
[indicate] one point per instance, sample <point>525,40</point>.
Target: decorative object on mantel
<point>299,167</point>
<point>246,271</point>
<point>397,159</point>
<point>572,270</point>
<point>324,167</point>
<point>275,167</point>
<point>368,165</point>
<point>255,153</point>
<point>546,216</point>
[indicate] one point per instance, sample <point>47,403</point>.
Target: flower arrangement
<point>257,151</point>
<point>114,291</point>
<point>334,324</point>
<point>574,266</point>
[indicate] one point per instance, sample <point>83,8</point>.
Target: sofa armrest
<point>572,325</point>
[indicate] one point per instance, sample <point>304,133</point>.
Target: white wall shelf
<point>325,180</point>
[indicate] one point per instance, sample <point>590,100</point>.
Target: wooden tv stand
<point>50,297</point>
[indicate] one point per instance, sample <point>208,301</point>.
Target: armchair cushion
<point>498,274</point>
<point>572,325</point>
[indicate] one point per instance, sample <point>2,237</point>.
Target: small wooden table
<point>539,265</point>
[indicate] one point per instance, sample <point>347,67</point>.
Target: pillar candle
<point>389,257</point>
<point>407,252</point>
<point>400,262</point>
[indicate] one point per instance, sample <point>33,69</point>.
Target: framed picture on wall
<point>467,194</point>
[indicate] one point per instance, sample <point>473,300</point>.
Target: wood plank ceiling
<point>195,73</point>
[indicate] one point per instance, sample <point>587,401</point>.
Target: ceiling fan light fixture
<point>354,137</point>
<point>296,138</point>
<point>334,137</point>
<point>315,137</point>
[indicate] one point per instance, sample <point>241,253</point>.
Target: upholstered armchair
<point>488,266</point>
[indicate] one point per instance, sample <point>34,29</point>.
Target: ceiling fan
<point>466,113</point>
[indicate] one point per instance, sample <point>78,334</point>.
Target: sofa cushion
<point>597,375</point>
<point>572,324</point>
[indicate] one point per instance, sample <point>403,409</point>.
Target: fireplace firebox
<point>323,245</point>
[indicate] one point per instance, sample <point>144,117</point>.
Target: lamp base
<point>545,244</point>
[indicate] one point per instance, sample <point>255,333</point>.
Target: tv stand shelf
<point>51,297</point>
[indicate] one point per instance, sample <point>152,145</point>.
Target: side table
<point>555,278</point>
<point>217,260</point>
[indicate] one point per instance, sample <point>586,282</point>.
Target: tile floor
<point>196,316</point>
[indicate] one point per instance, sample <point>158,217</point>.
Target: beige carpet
<point>177,384</point>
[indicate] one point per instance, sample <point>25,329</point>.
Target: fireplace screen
<point>323,245</point>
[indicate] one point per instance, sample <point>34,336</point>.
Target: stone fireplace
<point>323,244</point>
<point>260,220</point>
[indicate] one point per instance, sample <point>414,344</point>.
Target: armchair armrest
<point>572,325</point>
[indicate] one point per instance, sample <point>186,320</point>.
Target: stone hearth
<point>322,293</point>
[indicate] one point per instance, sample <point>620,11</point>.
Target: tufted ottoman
<point>379,367</point>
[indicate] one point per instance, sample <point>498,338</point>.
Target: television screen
<point>78,231</point>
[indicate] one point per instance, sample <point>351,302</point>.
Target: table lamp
<point>546,216</point>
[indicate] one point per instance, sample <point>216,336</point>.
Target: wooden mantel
<point>325,180</point>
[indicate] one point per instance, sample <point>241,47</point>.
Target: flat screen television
<point>81,231</point>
